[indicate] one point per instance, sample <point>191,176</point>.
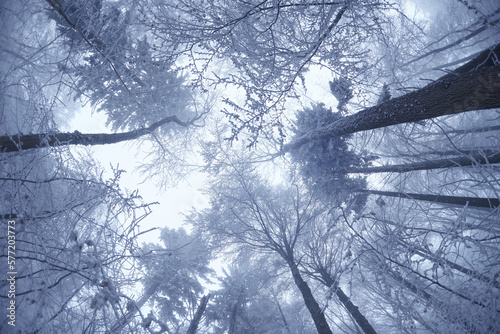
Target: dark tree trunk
<point>233,317</point>
<point>311,304</point>
<point>193,326</point>
<point>454,200</point>
<point>34,141</point>
<point>477,158</point>
<point>473,86</point>
<point>353,310</point>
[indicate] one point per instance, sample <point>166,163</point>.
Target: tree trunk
<point>311,304</point>
<point>125,319</point>
<point>476,130</point>
<point>478,202</point>
<point>34,141</point>
<point>193,326</point>
<point>473,86</point>
<point>350,307</point>
<point>477,158</point>
<point>232,319</point>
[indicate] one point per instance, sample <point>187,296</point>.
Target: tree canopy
<point>346,155</point>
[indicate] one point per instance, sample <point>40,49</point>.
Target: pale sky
<point>172,201</point>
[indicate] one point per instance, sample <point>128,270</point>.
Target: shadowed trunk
<point>353,310</point>
<point>478,202</point>
<point>477,158</point>
<point>311,304</point>
<point>193,326</point>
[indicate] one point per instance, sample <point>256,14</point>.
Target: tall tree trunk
<point>311,304</point>
<point>34,141</point>
<point>193,326</point>
<point>353,310</point>
<point>478,202</point>
<point>477,158</point>
<point>473,86</point>
<point>233,317</point>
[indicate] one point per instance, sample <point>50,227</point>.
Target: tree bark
<point>350,307</point>
<point>311,304</point>
<point>473,86</point>
<point>478,202</point>
<point>34,141</point>
<point>193,326</point>
<point>477,158</point>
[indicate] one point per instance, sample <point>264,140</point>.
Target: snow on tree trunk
<point>468,88</point>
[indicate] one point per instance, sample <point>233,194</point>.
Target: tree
<point>417,250</point>
<point>451,94</point>
<point>74,230</point>
<point>246,213</point>
<point>250,299</point>
<point>442,199</point>
<point>327,255</point>
<point>173,274</point>
<point>471,158</point>
<point>119,70</point>
<point>265,49</point>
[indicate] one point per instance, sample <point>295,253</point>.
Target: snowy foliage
<point>118,70</point>
<point>324,163</point>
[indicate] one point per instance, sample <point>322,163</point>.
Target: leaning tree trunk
<point>473,86</point>
<point>311,303</point>
<point>33,141</point>
<point>478,202</point>
<point>475,158</point>
<point>193,326</point>
<point>353,310</point>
